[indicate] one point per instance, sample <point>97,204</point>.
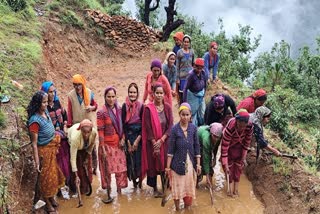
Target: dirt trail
<point>67,52</point>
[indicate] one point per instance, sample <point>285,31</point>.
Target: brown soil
<point>67,51</point>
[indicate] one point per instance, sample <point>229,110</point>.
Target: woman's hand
<point>77,180</point>
<point>121,143</point>
<point>130,148</point>
<point>225,169</point>
<point>38,168</point>
<point>199,169</point>
<point>167,171</point>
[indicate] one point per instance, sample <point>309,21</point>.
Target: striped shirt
<point>232,136</point>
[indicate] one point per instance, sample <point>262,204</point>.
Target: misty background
<point>295,21</point>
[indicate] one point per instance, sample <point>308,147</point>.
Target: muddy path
<point>103,66</point>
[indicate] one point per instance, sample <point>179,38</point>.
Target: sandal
<point>50,210</point>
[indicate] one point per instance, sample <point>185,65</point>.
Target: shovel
<point>37,203</point>
<point>85,166</point>
<point>80,204</point>
<point>210,190</point>
<point>104,162</point>
<point>165,197</point>
<point>228,184</point>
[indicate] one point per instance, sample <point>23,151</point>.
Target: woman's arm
<point>34,140</point>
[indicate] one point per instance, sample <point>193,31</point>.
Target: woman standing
<point>184,63</point>
<point>235,143</point>
<point>170,71</point>
<point>194,92</point>
<point>211,61</point>
<point>157,122</point>
<point>153,77</point>
<point>45,145</point>
<point>112,158</point>
<point>183,150</point>
<point>59,119</point>
<point>132,111</point>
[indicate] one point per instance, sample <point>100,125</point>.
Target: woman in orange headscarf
<point>251,103</point>
<point>81,105</point>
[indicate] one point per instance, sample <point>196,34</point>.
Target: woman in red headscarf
<point>112,158</point>
<point>251,103</point>
<point>132,111</point>
<point>153,77</point>
<point>82,138</point>
<point>211,60</point>
<point>157,121</point>
<point>194,92</point>
<point>235,143</point>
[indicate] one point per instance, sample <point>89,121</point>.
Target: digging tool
<point>210,189</point>
<point>228,184</point>
<point>80,204</point>
<point>165,197</point>
<point>85,166</point>
<point>132,173</point>
<point>283,155</point>
<point>104,162</point>
<point>37,203</point>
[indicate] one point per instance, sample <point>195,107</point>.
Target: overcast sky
<point>295,21</point>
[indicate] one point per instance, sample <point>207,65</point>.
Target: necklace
<point>160,108</point>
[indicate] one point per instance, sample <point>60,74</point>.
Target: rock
<point>120,29</point>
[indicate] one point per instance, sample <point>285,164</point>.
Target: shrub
<point>15,5</point>
<point>71,18</point>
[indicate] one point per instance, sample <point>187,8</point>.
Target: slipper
<point>49,211</point>
<point>4,98</point>
<point>107,201</point>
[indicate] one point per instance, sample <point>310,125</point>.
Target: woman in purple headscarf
<point>217,110</point>
<point>59,119</point>
<point>112,158</point>
<point>153,77</point>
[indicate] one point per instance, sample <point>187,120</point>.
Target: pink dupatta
<point>157,132</point>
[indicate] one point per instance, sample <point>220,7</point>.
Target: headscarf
<point>242,115</point>
<point>258,116</point>
<point>213,57</point>
<point>45,87</point>
<point>199,62</point>
<point>115,117</point>
<point>132,108</point>
<point>166,60</point>
<point>156,63</point>
<point>184,106</point>
<point>178,35</point>
<point>216,129</point>
<point>79,79</point>
<point>85,123</point>
<point>218,101</point>
<point>260,94</point>
<point>187,36</point>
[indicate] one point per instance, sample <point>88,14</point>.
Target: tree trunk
<point>148,9</point>
<point>170,25</point>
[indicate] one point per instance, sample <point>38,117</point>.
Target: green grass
<point>20,52</point>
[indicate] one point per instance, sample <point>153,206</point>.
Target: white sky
<point>295,21</point>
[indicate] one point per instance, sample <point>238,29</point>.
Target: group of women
<point>139,139</point>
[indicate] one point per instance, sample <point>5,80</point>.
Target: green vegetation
<point>20,51</point>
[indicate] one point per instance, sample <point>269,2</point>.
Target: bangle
<point>162,141</point>
<point>199,166</point>
<point>167,169</point>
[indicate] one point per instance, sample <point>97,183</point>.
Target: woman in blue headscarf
<point>59,119</point>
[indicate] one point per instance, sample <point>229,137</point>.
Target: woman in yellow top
<point>82,140</point>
